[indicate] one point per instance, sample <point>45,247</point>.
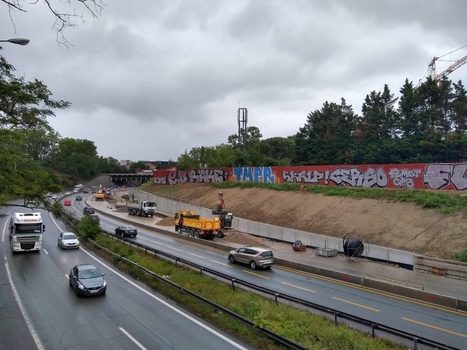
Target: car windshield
<point>69,236</point>
<point>89,273</point>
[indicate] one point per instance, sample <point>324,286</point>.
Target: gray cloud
<point>165,76</point>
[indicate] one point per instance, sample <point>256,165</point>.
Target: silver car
<point>253,256</point>
<point>68,240</point>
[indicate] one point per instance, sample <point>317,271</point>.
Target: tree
<point>379,121</point>
<point>278,150</point>
<point>247,147</point>
<point>326,137</point>
<point>25,135</point>
<point>75,157</point>
<point>65,14</point>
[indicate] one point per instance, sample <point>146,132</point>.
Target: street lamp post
<point>17,41</point>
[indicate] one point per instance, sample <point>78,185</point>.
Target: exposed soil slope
<point>392,224</point>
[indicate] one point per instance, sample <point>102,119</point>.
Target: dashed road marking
<point>220,263</point>
<point>463,335</point>
<point>138,344</point>
<point>198,256</point>
<point>374,291</point>
<point>299,287</point>
<point>356,304</point>
<point>256,274</point>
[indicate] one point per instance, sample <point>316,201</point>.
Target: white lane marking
<point>45,250</point>
<point>4,230</point>
<point>223,264</point>
<point>173,308</point>
<point>256,274</point>
<point>463,335</point>
<point>132,338</point>
<point>198,256</point>
<point>356,304</point>
<point>29,324</point>
<point>299,287</point>
<point>158,243</point>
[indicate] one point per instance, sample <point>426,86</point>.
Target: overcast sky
<point>150,79</point>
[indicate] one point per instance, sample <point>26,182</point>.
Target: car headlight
<point>80,286</point>
<point>104,284</point>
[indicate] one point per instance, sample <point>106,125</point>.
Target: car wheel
<point>252,265</point>
<point>231,259</point>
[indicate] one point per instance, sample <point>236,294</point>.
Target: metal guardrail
<point>268,333</point>
<point>276,337</point>
<point>336,314</point>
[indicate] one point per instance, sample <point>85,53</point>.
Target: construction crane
<point>448,70</point>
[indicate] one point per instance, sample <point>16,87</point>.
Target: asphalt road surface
<point>38,309</point>
<point>433,322</point>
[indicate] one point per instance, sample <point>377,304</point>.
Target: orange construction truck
<point>190,222</point>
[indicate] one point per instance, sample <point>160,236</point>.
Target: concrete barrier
<point>376,283</point>
<point>315,240</point>
<point>441,267</point>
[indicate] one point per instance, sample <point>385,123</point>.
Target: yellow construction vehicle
<point>190,222</point>
<point>100,194</point>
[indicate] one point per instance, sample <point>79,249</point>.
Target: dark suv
<point>126,231</point>
<point>88,210</point>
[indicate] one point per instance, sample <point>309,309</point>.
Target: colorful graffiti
<point>166,177</point>
<point>446,176</point>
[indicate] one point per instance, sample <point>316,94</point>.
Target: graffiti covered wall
<point>443,176</point>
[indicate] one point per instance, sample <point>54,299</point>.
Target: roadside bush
<point>88,228</point>
<point>461,256</point>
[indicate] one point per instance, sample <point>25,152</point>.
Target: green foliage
<point>25,136</point>
<point>445,202</point>
<point>88,228</point>
<point>75,157</point>
<point>461,256</point>
<point>305,328</point>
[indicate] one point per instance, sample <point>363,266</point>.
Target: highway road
<point>38,309</point>
<point>433,322</point>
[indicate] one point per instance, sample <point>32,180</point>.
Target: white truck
<point>26,232</point>
<point>143,208</point>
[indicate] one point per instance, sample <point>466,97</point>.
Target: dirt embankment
<point>392,224</point>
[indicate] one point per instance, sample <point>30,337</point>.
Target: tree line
<point>426,123</point>
<point>34,158</point>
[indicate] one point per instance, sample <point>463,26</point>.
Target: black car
<point>79,198</point>
<point>126,231</point>
<point>88,210</point>
<point>87,280</point>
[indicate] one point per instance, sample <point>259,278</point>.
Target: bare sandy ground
<point>392,224</point>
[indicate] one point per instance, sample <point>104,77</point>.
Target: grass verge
<point>445,202</point>
<point>311,331</point>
